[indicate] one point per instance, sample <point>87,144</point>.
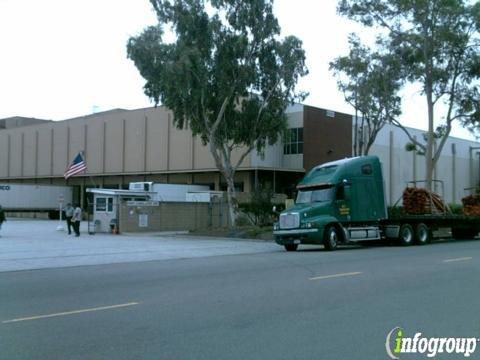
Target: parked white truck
<point>173,192</point>
<point>34,198</point>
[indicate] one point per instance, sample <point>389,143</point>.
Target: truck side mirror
<point>344,192</point>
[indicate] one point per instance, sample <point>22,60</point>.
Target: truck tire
<point>291,247</point>
<point>331,238</point>
<point>423,235</point>
<point>406,235</point>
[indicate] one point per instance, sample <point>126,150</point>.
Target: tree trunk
<point>355,131</point>
<point>232,200</point>
<point>222,161</point>
<point>429,154</point>
<point>362,136</point>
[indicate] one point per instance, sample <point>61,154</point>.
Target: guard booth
<point>106,207</point>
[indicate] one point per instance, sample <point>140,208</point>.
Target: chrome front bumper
<point>294,231</point>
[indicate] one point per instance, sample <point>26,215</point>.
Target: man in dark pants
<point>68,217</point>
<point>76,218</point>
<point>2,216</point>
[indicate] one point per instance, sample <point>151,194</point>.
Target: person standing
<point>68,217</point>
<point>76,218</point>
<point>2,216</point>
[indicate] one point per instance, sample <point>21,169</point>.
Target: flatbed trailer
<point>420,227</point>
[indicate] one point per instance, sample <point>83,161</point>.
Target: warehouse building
<point>123,146</point>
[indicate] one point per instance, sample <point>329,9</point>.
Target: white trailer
<point>203,196</point>
<point>168,192</point>
<point>34,198</point>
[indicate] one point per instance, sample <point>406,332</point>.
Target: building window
<point>238,186</point>
<point>294,141</point>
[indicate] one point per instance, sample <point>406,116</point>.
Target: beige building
<point>123,146</point>
<point>120,147</point>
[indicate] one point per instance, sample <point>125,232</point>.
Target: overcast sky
<point>66,58</point>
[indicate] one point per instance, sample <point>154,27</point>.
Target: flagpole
<point>93,182</point>
<point>60,224</point>
<point>77,166</point>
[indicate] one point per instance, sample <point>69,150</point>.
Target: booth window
<point>101,204</point>
<point>104,204</point>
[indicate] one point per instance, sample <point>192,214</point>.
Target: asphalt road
<point>311,304</point>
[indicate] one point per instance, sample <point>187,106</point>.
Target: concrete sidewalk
<point>36,244</point>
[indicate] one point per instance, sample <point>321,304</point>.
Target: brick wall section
<point>325,138</point>
<point>174,216</point>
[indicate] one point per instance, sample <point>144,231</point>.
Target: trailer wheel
<point>423,235</point>
<point>406,235</point>
<point>291,247</point>
<point>331,238</point>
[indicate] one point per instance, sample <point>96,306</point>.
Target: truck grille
<point>289,221</point>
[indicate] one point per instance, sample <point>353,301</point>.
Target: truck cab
<point>337,202</point>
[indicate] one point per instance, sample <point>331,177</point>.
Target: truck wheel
<point>291,247</point>
<point>331,238</point>
<point>406,235</point>
<point>423,234</point>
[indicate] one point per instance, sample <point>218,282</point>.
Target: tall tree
<point>437,45</point>
<point>227,75</point>
<point>369,82</point>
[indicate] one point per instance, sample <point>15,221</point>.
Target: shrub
<point>260,208</point>
<point>243,220</point>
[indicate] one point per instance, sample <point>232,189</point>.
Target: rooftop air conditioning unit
<point>141,186</point>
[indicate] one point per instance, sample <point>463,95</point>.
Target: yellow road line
<point>70,312</point>
<point>335,276</point>
<point>457,259</point>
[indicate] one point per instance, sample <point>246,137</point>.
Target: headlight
<point>309,225</point>
<point>275,226</point>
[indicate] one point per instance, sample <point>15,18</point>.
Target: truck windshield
<point>326,169</point>
<point>315,195</point>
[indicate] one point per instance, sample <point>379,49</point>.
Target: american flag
<point>77,166</point>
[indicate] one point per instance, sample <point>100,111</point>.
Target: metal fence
<point>173,216</point>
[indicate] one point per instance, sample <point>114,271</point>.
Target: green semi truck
<point>343,202</point>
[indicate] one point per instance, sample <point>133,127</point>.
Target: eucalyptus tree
<point>437,45</point>
<point>369,82</point>
<point>227,75</point>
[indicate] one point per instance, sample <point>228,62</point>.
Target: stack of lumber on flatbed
<point>471,205</point>
<point>417,201</point>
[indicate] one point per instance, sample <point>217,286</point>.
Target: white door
<point>104,212</point>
